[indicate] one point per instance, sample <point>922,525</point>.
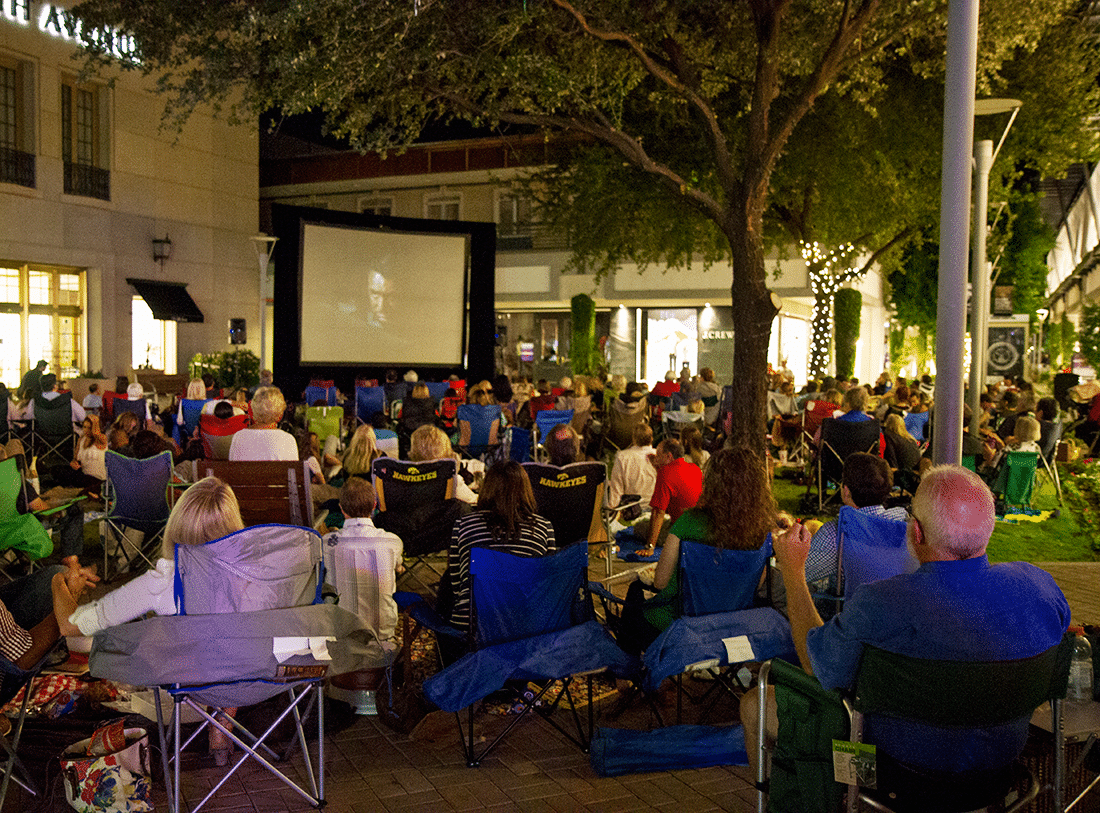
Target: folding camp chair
<point>839,440</point>
<point>622,420</point>
<point>1016,478</point>
<point>916,424</point>
<point>320,391</point>
<point>1051,435</point>
<point>416,502</point>
<point>139,408</point>
<point>268,491</point>
<point>250,627</point>
<point>571,497</point>
<point>532,619</point>
<point>192,410</point>
<point>448,411</point>
<point>717,594</point>
<point>53,436</point>
<point>545,421</point>
<point>813,413</point>
<point>369,400</point>
<point>136,500</point>
<point>19,532</point>
<point>478,428</point>
<point>12,680</point>
<point>437,389</point>
<point>325,422</point>
<point>517,444</point>
<point>217,434</point>
<point>869,548</point>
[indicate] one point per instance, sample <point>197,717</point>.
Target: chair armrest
<point>46,512</point>
<point>423,613</point>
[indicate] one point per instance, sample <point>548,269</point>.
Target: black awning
<point>169,301</point>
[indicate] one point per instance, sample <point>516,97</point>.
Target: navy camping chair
<point>517,442</point>
<point>315,392</point>
<point>869,548</point>
<point>717,594</point>
<point>369,400</point>
<point>136,499</point>
<point>139,408</point>
<point>437,389</point>
<point>839,441</point>
<point>192,411</point>
<point>251,627</point>
<point>531,619</point>
<point>478,428</point>
<point>572,498</point>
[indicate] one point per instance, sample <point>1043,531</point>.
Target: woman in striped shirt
<point>505,520</point>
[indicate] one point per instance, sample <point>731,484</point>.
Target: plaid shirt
<point>821,563</point>
<point>14,640</point>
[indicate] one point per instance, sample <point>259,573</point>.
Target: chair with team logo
<point>416,501</point>
<point>571,497</point>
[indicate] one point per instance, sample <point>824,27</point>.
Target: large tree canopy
<point>699,99</point>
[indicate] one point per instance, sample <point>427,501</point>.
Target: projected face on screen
<point>377,297</point>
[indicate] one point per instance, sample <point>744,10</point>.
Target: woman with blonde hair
<point>362,451</point>
<point>432,443</point>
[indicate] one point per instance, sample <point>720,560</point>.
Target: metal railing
<point>16,167</point>
<point>89,181</point>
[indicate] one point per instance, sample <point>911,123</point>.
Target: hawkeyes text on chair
<point>571,497</point>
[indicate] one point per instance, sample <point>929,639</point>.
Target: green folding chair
<point>325,421</point>
<point>1016,479</point>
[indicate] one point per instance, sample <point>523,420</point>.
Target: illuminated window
<point>84,146</point>
<point>154,341</point>
<point>41,317</point>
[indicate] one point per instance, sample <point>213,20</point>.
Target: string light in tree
<point>828,271</point>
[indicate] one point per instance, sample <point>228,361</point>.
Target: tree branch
<point>889,244</point>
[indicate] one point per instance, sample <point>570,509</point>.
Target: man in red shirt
<point>679,485</point>
<point>666,388</point>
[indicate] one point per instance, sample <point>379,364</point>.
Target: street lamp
<point>264,246</point>
<point>984,156</point>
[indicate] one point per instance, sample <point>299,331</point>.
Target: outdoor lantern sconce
<point>162,249</point>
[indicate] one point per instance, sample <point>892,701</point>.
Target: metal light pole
<point>958,137</point>
<point>264,246</point>
<point>984,156</point>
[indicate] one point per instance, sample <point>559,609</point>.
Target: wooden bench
<point>274,491</point>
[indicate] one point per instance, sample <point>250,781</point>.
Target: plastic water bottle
<point>1080,671</point>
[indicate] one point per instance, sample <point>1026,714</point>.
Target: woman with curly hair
<point>736,511</point>
<point>505,520</point>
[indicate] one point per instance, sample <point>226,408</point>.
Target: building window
<point>376,206</point>
<point>16,155</point>
<point>154,341</point>
<point>41,317</point>
<point>443,207</point>
<point>513,214</point>
<point>83,140</point>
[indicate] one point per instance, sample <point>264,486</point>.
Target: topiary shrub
<point>846,311</point>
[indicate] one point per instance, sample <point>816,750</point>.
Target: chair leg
<point>162,734</point>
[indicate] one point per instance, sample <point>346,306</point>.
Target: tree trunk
<point>821,335</point>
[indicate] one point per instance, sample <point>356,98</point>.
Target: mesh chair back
<point>267,567</point>
<point>53,417</point>
<point>516,597</point>
<point>369,400</point>
<point>571,497</point>
<point>138,489</point>
<point>192,410</point>
<point>138,408</point>
<point>717,580</point>
<point>269,491</point>
<point>217,434</point>
<point>841,439</point>
<point>869,549</point>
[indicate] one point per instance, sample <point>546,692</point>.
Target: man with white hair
<point>955,607</point>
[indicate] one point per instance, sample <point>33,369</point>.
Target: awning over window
<point>169,301</point>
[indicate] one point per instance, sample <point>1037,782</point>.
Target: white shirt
<point>263,444</point>
<point>361,562</point>
<point>632,473</point>
<point>152,590</point>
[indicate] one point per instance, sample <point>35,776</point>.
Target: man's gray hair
<point>956,511</point>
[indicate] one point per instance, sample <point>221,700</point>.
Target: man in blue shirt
<point>955,607</point>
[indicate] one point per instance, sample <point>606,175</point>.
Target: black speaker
<point>237,333</point>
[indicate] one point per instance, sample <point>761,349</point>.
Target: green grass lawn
<point>1057,539</point>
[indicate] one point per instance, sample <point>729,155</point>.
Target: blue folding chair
<point>136,499</point>
<point>915,423</point>
<point>369,400</point>
<point>545,421</point>
<point>478,428</point>
<point>192,411</point>
<point>517,441</point>
<point>531,619</point>
<point>438,389</point>
<point>140,408</point>
<point>314,393</point>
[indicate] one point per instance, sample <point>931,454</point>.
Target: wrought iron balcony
<point>16,167</point>
<point>91,182</point>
